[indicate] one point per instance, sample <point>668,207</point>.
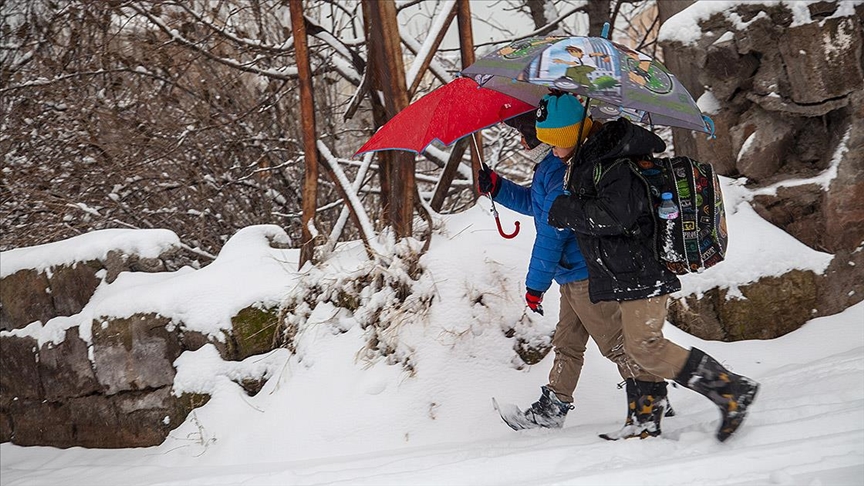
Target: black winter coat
<point>610,210</point>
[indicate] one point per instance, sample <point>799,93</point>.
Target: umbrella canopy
<point>447,114</point>
<point>620,81</point>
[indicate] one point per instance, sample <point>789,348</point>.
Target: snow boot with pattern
<point>732,393</point>
<point>646,405</point>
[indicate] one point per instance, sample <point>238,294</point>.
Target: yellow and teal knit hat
<point>559,118</point>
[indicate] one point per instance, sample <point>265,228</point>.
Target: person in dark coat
<point>556,256</point>
<point>610,210</point>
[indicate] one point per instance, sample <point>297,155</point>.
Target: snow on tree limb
<point>366,229</point>
<point>343,215</point>
<point>337,44</point>
<point>357,97</point>
<point>435,67</point>
<point>343,67</point>
<point>441,22</point>
<point>538,31</point>
<point>463,168</point>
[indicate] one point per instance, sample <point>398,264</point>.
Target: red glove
<point>534,299</point>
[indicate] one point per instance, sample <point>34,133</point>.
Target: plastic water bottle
<point>667,208</point>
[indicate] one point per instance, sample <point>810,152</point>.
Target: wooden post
<point>466,33</point>
<point>379,115</point>
<point>388,68</point>
<point>307,111</point>
<point>466,49</point>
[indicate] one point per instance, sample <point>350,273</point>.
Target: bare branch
<point>284,73</point>
<point>533,33</point>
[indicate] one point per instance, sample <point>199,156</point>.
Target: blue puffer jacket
<point>556,254</point>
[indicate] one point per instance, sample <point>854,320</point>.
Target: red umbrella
<point>447,114</point>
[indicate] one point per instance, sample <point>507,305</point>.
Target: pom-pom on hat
<point>559,119</point>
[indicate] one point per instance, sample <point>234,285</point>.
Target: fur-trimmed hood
<point>618,139</point>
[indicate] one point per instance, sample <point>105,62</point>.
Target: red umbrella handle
<point>501,230</point>
<point>498,222</point>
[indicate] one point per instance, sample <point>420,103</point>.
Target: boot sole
<point>515,418</point>
<point>644,434</point>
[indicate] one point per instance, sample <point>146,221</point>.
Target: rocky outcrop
<point>764,311</point>
<point>114,389</point>
<point>25,297</point>
<point>135,353</point>
<point>254,332</point>
<point>792,108</point>
<point>29,295</point>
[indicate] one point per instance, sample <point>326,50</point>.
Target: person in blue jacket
<point>556,257</point>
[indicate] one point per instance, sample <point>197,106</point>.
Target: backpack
<point>697,238</point>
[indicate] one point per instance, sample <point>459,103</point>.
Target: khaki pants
<point>579,319</point>
<point>642,321</point>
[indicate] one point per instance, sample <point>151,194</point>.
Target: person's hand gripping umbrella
<point>487,182</point>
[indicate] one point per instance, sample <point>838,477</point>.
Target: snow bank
<point>247,271</point>
<point>148,243</point>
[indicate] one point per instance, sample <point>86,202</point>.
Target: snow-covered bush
<point>379,295</point>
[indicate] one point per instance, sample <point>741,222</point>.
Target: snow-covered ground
<point>331,415</point>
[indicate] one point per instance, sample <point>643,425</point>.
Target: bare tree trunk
<point>307,111</point>
<point>397,168</point>
<point>684,69</point>
<point>466,49</point>
<point>537,9</point>
<point>598,13</point>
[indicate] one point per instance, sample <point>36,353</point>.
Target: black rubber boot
<point>732,393</point>
<point>646,405</point>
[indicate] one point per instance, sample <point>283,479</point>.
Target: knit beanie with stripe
<point>559,119</point>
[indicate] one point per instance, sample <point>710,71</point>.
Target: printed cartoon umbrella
<point>618,80</point>
<point>447,114</point>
